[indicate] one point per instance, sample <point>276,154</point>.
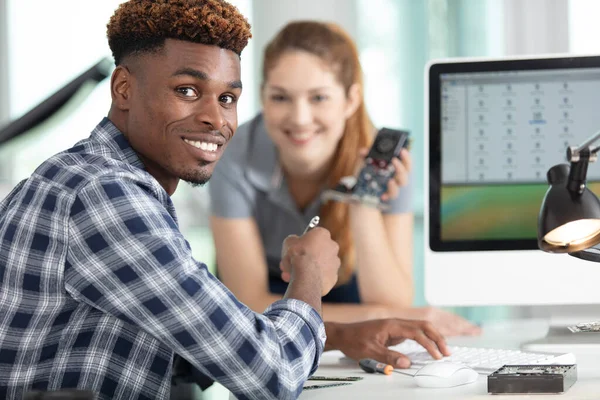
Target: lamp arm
<point>578,172</point>
<point>573,153</point>
<point>580,158</point>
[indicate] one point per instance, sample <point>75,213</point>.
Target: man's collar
<point>109,135</point>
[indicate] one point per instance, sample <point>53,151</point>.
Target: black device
<point>523,379</point>
<point>334,378</point>
<point>387,145</point>
<point>372,180</point>
<point>378,170</point>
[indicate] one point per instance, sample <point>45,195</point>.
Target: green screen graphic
<point>492,212</point>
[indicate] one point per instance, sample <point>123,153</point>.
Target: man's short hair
<point>139,26</point>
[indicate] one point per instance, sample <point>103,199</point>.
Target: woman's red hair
<point>334,46</point>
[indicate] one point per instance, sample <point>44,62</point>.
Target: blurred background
<point>44,45</point>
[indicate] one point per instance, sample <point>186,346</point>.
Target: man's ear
<point>354,99</point>
<point>120,87</point>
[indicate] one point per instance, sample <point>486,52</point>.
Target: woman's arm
<point>350,312</point>
<point>242,268</point>
<point>383,245</point>
<point>241,261</point>
<point>447,323</point>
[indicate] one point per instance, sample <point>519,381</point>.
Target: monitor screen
<point>493,129</point>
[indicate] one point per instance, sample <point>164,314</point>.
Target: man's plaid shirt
<point>99,290</point>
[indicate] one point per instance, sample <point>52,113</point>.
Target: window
<point>394,52</point>
<point>584,29</point>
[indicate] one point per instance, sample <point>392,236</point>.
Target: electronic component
<point>327,385</point>
<point>335,378</point>
<point>520,379</point>
<point>340,381</point>
<point>373,178</point>
<point>585,327</point>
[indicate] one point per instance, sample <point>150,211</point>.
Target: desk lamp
<point>569,220</point>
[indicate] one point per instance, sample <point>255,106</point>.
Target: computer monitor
<point>493,129</point>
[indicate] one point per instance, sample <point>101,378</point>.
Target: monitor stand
<point>559,339</point>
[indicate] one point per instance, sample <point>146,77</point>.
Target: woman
<point>314,130</point>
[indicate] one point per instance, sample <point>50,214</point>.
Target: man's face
<point>182,109</point>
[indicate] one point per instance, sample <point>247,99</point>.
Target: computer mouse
<point>444,374</point>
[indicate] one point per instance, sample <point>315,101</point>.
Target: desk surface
<point>506,335</point>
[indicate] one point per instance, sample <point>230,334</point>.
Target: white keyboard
<point>483,360</point>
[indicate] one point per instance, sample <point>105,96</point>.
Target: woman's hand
<point>402,168</point>
<point>446,323</point>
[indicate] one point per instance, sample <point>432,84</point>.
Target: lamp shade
<point>569,221</point>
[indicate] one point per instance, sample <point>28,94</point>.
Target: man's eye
<point>319,98</point>
<point>227,99</point>
<point>187,91</point>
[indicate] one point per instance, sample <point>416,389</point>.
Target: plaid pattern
<point>98,290</point>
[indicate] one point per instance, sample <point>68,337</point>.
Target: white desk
<point>506,335</point>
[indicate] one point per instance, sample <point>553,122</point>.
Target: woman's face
<point>305,110</point>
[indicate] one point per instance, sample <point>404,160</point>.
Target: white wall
<point>70,36</point>
<point>269,16</point>
<point>39,64</point>
<point>584,29</point>
<point>536,26</point>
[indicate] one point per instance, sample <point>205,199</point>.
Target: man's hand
<point>371,339</point>
<point>312,253</point>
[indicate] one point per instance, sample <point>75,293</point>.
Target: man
<point>99,290</point>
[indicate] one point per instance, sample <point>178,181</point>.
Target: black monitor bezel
<point>469,66</point>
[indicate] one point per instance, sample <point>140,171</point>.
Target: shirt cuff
<point>312,319</point>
